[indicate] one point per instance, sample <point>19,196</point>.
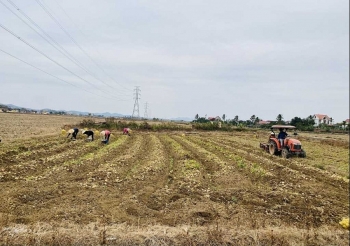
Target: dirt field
<point>204,188</point>
<point>19,126</point>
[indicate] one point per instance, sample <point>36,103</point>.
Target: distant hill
<point>114,114</point>
<point>77,112</point>
<point>182,119</point>
<point>74,112</point>
<point>11,106</point>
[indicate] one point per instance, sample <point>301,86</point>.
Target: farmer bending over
<point>105,136</point>
<point>89,134</point>
<point>74,133</point>
<point>126,131</point>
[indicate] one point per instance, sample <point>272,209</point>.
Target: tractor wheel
<point>273,148</point>
<point>302,154</point>
<point>285,153</point>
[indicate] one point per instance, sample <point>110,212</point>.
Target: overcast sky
<point>187,56</point>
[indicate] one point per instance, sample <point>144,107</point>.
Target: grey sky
<point>188,57</point>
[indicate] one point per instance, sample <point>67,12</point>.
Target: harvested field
<point>19,126</point>
<point>172,188</point>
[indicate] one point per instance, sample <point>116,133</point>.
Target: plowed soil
<point>172,188</point>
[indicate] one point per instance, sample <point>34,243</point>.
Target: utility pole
<point>136,111</point>
<point>146,111</point>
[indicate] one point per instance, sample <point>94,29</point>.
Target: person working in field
<point>126,131</point>
<point>73,132</point>
<point>282,135</point>
<point>105,135</point>
<point>89,134</point>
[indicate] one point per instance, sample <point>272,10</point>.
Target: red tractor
<point>285,146</point>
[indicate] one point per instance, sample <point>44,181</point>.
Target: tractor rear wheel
<point>273,148</point>
<point>285,153</point>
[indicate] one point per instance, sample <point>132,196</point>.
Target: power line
<point>80,88</point>
<point>9,31</point>
<point>136,110</point>
<point>73,40</point>
<point>37,26</point>
<point>61,50</point>
<point>81,32</point>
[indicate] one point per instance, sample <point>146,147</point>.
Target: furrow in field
<point>88,159</point>
<point>29,156</point>
<point>334,159</point>
<point>197,189</point>
<point>224,166</point>
<point>112,164</point>
<point>187,173</point>
<point>295,176</point>
<point>38,164</point>
<point>245,192</point>
<point>189,185</point>
<point>292,164</point>
<point>61,184</point>
<point>39,168</point>
<point>129,181</point>
<point>296,192</point>
<point>11,151</point>
<point>145,183</point>
<point>234,152</point>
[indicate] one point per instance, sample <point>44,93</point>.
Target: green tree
<point>252,119</point>
<point>310,121</point>
<point>202,120</point>
<point>306,124</point>
<point>257,119</point>
<point>196,117</point>
<point>296,121</point>
<point>236,119</point>
<point>279,119</point>
<point>223,117</point>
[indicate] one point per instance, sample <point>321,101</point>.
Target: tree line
<point>303,124</point>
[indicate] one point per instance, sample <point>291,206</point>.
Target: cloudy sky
<point>188,57</point>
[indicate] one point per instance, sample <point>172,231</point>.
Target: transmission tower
<point>146,111</point>
<point>136,111</point>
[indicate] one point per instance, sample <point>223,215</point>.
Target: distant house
<point>217,118</point>
<point>13,111</point>
<point>264,122</point>
<point>322,119</point>
<point>24,111</point>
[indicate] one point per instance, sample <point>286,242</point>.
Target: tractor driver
<point>282,135</point>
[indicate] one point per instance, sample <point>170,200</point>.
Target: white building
<point>322,119</point>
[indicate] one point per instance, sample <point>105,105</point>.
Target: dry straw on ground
<point>209,188</point>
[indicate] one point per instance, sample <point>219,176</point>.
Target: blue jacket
<point>282,135</point>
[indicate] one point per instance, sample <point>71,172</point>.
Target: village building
<point>322,119</point>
